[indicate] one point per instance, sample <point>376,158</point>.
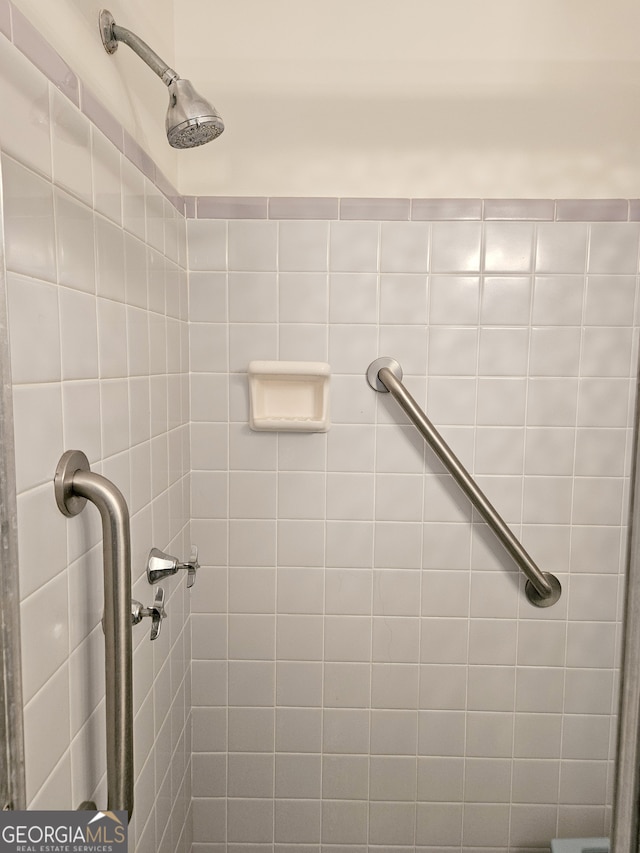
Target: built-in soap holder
<point>289,395</point>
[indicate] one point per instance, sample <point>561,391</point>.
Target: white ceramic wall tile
<point>353,246</point>
<point>35,335</point>
<point>454,300</point>
<point>601,402</point>
<point>508,247</point>
<point>208,348</point>
<point>253,298</point>
<point>506,300</point>
<point>38,433</point>
<point>455,247</point>
<point>51,654</point>
<point>75,243</point>
<point>136,271</point>
<point>353,298</point>
<point>44,750</point>
<point>503,352</point>
<point>503,401</point>
<point>552,402</point>
<point>303,246</point>
<point>249,341</point>
<point>207,244</point>
<point>81,413</point>
<point>404,247</point>
<point>609,300</point>
<point>409,345</point>
<point>403,299</point>
<point>303,297</point>
<point>499,450</point>
<point>252,245</point>
<point>110,275</point>
<point>607,351</point>
<point>562,247</point>
<point>613,248</point>
<point>303,342</point>
<point>208,297</point>
<point>156,268</point>
<point>558,300</point>
<point>28,222</point>
<point>554,352</point>
<point>112,339</point>
<point>78,338</point>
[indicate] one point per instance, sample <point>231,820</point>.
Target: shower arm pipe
<point>75,484</point>
<point>542,588</point>
<point>114,33</point>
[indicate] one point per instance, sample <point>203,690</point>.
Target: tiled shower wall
<point>97,296</point>
<point>366,667</point>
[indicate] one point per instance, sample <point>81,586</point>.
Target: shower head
<point>191,120</point>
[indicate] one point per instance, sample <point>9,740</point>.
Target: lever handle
<point>191,565</point>
<point>156,612</point>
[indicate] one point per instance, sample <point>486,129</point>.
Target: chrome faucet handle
<point>161,565</point>
<point>156,612</point>
<point>191,565</point>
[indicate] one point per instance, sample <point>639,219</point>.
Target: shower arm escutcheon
<point>74,485</point>
<point>542,588</point>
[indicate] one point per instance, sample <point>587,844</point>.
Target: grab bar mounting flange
<point>69,502</point>
<point>373,373</point>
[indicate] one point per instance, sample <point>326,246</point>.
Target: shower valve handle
<point>156,612</point>
<point>161,565</point>
<point>191,565</point>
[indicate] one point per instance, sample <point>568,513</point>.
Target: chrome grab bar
<point>74,485</point>
<point>542,588</point>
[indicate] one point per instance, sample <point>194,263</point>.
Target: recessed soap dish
<point>289,395</point>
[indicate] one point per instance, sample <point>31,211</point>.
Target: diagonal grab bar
<point>75,484</point>
<point>542,588</point>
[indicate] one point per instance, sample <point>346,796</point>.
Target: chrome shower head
<point>191,120</point>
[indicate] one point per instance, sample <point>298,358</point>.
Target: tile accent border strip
<point>21,32</point>
<point>415,210</point>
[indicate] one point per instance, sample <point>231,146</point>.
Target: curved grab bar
<point>75,484</point>
<point>542,588</point>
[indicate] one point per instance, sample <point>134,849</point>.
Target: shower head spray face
<point>191,121</point>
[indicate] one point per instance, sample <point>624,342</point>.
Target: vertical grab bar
<point>75,484</point>
<point>542,588</point>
